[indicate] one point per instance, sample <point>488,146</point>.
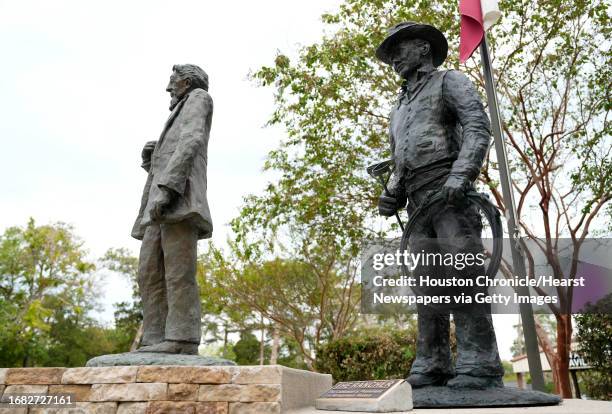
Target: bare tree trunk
<point>564,334</point>
<point>225,340</point>
<point>137,338</point>
<point>275,345</point>
<point>558,358</point>
<point>310,364</point>
<point>262,342</point>
<point>549,352</point>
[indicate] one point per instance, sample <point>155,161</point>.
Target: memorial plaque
<point>360,389</point>
<point>379,396</point>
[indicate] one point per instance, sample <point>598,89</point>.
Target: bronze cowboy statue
<point>439,135</point>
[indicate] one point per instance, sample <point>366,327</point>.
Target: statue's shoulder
<point>199,95</point>
<point>443,72</point>
<point>454,76</point>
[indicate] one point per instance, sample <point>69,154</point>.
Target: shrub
<point>368,354</point>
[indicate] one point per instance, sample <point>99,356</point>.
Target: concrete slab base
<point>439,396</point>
<point>569,406</point>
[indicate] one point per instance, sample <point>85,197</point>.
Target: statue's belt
<point>482,201</point>
<point>438,170</point>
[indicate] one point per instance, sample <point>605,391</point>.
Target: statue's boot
<point>478,383</point>
<point>423,380</point>
<point>171,347</point>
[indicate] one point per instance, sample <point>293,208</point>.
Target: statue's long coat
<point>179,163</point>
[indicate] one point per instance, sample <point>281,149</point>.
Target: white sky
<point>82,88</point>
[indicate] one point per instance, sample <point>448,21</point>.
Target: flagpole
<point>518,262</point>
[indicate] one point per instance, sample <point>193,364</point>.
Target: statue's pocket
<point>425,147</point>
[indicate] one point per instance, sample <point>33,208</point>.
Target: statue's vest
<point>423,129</point>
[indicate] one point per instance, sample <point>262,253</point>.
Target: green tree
<point>72,343</point>
<point>306,306</point>
<point>45,293</point>
<point>594,327</point>
<point>128,315</point>
<point>247,349</point>
<point>553,76</point>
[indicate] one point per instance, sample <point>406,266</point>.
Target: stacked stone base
<point>166,389</point>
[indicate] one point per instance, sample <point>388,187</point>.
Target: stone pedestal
<point>167,389</point>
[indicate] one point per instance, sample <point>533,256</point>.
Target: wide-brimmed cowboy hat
<point>412,30</point>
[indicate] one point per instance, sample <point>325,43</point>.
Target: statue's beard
<point>175,98</point>
<point>407,69</point>
<point>173,101</point>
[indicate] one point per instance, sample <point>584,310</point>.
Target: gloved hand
<point>389,204</point>
<point>454,189</point>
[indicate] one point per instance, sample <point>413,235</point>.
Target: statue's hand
<point>161,203</point>
<point>387,205</point>
<point>147,150</point>
<point>454,189</point>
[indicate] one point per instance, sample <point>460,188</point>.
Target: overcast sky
<point>82,88</point>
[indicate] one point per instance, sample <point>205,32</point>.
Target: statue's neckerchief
<point>406,93</point>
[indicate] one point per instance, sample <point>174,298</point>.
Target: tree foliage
<point>306,306</point>
<point>593,336</point>
<point>46,290</point>
<point>246,349</point>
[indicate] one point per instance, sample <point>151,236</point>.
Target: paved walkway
<point>572,406</point>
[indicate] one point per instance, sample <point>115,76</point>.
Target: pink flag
<point>477,16</point>
<point>472,29</point>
